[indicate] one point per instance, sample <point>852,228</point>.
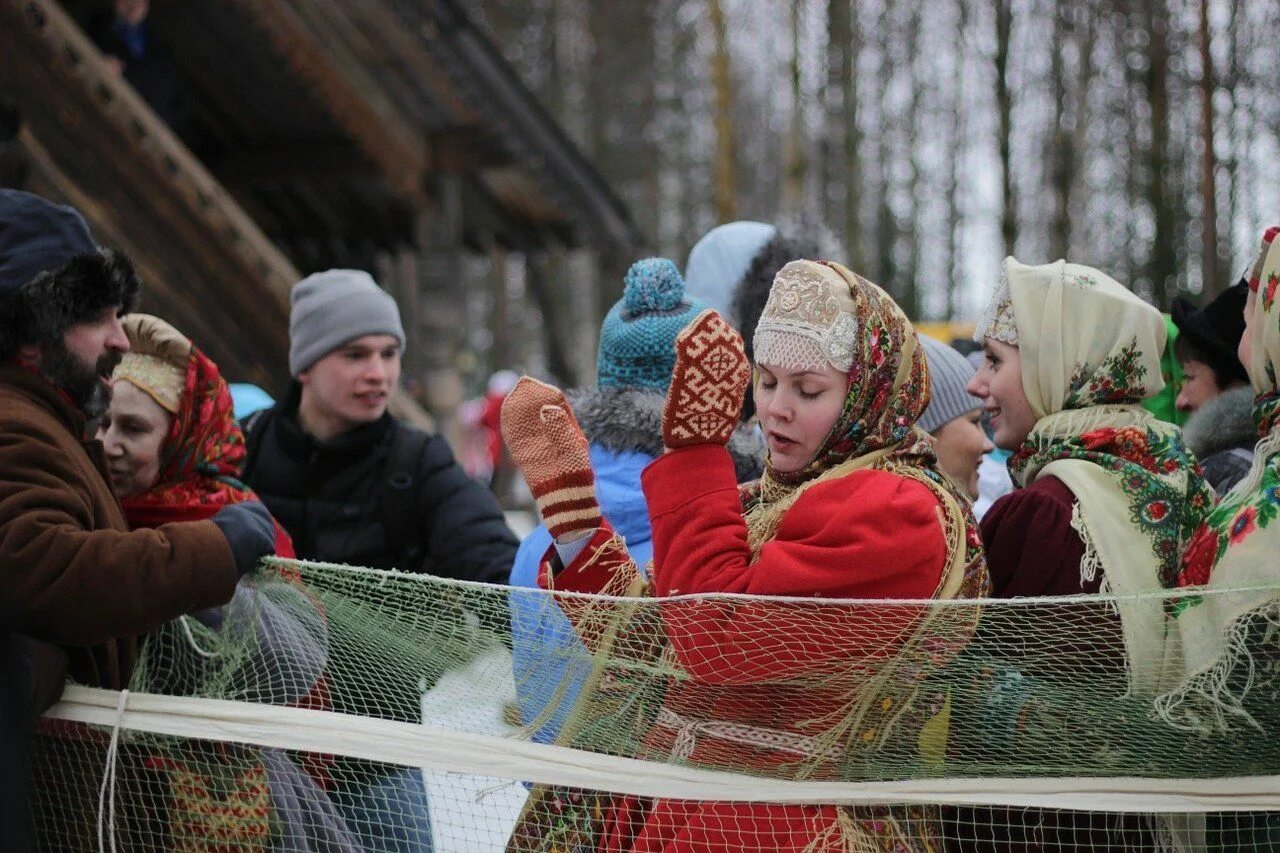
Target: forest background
<point>922,142</point>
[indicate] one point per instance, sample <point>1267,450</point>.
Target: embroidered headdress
<point>997,319</point>
<point>808,321</point>
<point>156,361</point>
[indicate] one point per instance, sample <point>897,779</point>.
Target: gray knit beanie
<point>330,308</point>
<point>949,372</point>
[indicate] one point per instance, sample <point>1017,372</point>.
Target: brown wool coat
<point>70,569</point>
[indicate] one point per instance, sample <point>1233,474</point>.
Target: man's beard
<point>82,382</point>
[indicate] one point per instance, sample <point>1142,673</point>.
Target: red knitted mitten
<point>547,444</point>
<point>707,385</point>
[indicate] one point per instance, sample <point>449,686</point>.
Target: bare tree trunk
<point>793,177</point>
<point>726,170</point>
<point>1062,150</point>
<point>911,302</point>
<point>886,228</point>
<point>1004,106</point>
<point>1208,164</point>
<point>502,354</point>
<point>842,177</point>
<point>852,135</point>
<point>955,269</point>
<point>1236,139</point>
<point>1084,27</point>
<point>1162,263</point>
<point>555,304</point>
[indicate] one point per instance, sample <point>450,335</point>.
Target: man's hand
<point>250,532</point>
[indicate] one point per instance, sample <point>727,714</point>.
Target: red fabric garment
<point>491,420</point>
<point>1016,531</point>
<point>891,547</point>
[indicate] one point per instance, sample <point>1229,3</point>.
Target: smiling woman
<point>1109,496</point>
<point>173,448</point>
<point>132,433</point>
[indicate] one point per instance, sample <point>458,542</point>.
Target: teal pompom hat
<point>637,340</point>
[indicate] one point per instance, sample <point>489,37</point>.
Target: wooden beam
<point>379,36</point>
<point>465,149</point>
<point>344,88</point>
<point>97,144</point>
<point>303,161</point>
<point>68,53</point>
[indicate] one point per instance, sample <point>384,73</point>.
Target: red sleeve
<point>870,534</point>
<point>284,544</point>
<point>603,567</point>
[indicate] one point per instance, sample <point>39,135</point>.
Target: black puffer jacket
<point>332,497</point>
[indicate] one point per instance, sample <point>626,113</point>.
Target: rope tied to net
<point>105,804</point>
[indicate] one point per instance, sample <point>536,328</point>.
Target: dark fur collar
<point>630,420</point>
<point>1224,422</point>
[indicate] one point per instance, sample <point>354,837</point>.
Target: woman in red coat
<point>850,506</point>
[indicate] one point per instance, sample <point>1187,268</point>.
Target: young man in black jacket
<point>351,484</point>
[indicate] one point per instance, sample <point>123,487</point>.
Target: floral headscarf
<point>1236,551</point>
<point>824,310</point>
<point>200,456</point>
<point>1090,352</point>
<point>867,335</point>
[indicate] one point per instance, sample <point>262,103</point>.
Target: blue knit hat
<point>637,340</point>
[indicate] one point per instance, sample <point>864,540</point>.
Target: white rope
<point>109,778</point>
<point>191,639</point>
<point>449,750</point>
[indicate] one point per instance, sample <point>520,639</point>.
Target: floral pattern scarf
<point>888,391</point>
<point>200,457</point>
<point>1235,552</point>
<point>1090,352</point>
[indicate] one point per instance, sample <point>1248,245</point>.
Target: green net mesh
<point>336,708</point>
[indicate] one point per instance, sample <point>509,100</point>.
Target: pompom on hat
<point>637,340</point>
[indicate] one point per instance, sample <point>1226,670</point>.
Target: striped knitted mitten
<point>548,445</point>
<point>707,385</point>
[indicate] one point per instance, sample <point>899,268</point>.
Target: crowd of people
<point>767,423</point>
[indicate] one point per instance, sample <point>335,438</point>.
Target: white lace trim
<point>687,731</point>
<point>997,319</point>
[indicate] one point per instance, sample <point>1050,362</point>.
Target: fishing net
<point>336,708</point>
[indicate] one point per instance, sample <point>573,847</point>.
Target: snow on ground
<point>473,814</point>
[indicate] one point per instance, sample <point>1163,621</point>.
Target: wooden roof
<point>320,131</point>
<point>329,119</point>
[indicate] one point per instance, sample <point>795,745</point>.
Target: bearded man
<point>72,574</point>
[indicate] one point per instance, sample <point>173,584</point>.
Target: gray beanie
<point>330,308</point>
<point>949,372</point>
